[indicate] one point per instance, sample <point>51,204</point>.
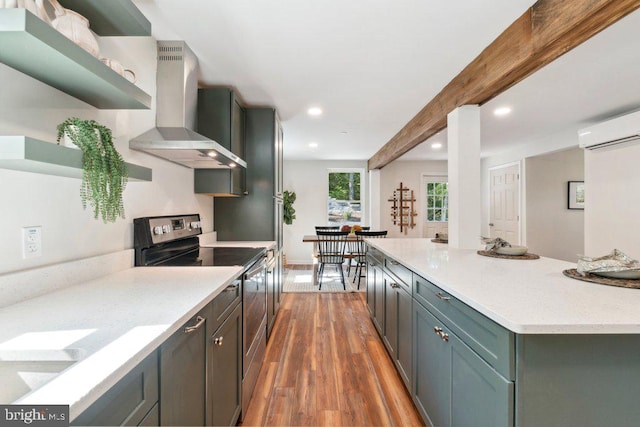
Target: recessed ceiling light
<point>344,132</point>
<point>212,154</point>
<point>502,111</point>
<point>313,145</point>
<point>314,111</point>
<point>436,145</point>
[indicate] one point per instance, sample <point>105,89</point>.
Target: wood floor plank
<point>304,411</point>
<point>279,411</point>
<point>326,366</point>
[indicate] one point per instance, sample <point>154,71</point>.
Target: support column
<point>375,209</point>
<point>463,128</point>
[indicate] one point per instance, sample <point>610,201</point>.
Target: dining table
<point>314,238</point>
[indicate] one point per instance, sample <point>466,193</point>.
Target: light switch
<point>31,242</point>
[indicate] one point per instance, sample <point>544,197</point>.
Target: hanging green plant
<point>104,173</point>
<point>288,197</point>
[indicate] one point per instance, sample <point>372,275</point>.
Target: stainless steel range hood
<point>176,102</point>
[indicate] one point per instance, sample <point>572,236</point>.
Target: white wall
<point>309,180</point>
<point>553,230</point>
<point>28,107</point>
<point>612,201</point>
<point>550,143</point>
<point>410,174</point>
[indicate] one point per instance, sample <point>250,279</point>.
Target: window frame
<point>363,193</point>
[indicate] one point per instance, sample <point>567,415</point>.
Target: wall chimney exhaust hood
<point>176,102</point>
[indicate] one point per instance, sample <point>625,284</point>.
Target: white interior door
<point>504,203</point>
<point>436,211</point>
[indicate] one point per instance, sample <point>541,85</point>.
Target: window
<point>437,202</point>
<point>345,204</point>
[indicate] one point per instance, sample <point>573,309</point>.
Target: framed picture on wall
<point>576,195</point>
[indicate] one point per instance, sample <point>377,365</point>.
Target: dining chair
<point>361,251</point>
<point>331,245</point>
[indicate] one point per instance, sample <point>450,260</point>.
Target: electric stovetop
<point>215,257</point>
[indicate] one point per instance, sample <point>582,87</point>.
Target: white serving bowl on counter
<point>512,250</point>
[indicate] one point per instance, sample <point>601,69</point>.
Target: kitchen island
<point>488,341</point>
<point>81,340</point>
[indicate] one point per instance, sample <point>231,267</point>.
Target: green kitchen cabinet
<point>432,370</point>
<point>370,284</point>
<point>375,293</point>
<point>131,401</point>
<point>453,385</point>
<point>221,118</point>
<point>183,375</point>
<point>257,216</point>
<point>273,289</point>
<point>225,371</point>
<point>390,325</point>
<point>398,327</point>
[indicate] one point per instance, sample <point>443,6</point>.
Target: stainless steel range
<point>172,241</point>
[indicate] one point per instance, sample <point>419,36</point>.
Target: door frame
<point>521,224</point>
<point>421,200</point>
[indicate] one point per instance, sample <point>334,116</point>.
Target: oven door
<point>254,306</point>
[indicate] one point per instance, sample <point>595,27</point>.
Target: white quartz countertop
<point>524,296</point>
<point>115,321</point>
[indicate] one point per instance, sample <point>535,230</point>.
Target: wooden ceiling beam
<point>546,31</point>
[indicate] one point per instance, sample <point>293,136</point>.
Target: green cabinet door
<point>453,385</point>
<point>378,310</point>
<point>225,367</point>
<point>221,118</point>
<point>183,375</point>
<point>480,396</point>
<point>371,286</point>
<point>131,401</point>
<point>390,328</point>
<point>404,350</point>
<point>431,369</point>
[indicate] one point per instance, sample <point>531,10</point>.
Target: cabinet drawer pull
<point>218,341</point>
<point>199,322</point>
<point>394,262</point>
<point>442,296</point>
<point>231,288</point>
<point>443,335</point>
<point>395,285</point>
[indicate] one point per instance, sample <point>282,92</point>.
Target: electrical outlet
<point>31,242</point>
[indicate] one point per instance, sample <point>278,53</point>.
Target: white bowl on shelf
<point>512,250</point>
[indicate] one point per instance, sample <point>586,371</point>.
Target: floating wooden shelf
<point>33,47</point>
<point>112,17</point>
<point>33,155</point>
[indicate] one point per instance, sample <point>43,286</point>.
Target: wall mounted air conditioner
<point>613,133</point>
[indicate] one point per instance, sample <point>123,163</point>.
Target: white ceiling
<point>595,81</point>
<point>371,65</point>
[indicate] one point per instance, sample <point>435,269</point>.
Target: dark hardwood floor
<point>326,366</point>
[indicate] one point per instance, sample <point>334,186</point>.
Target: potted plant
<point>104,173</point>
<point>288,197</point>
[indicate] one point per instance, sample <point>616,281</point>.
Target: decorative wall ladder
<point>402,208</point>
